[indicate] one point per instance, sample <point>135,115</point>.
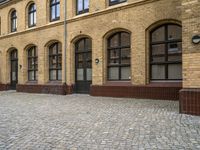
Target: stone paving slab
<point>82,122</point>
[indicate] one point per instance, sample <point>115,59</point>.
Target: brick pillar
<point>190,94</point>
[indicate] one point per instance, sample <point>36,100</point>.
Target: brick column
<point>190,94</point>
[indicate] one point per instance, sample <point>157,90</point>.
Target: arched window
<point>55,62</point>
<point>54,10</point>
<point>32,15</point>
<point>118,54</point>
<point>32,64</point>
<point>13,21</point>
<point>166,53</point>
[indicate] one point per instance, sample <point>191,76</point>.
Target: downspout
<point>65,40</point>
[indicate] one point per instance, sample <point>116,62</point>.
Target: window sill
<point>165,84</point>
<point>54,83</point>
<point>118,83</point>
<point>31,82</point>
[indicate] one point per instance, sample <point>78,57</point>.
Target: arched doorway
<point>83,65</point>
<point>13,69</point>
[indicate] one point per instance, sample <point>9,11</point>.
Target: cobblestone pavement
<point>42,122</point>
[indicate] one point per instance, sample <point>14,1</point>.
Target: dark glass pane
<point>158,59</point>
<point>88,44</point>
<point>125,56</point>
<point>81,45</point>
<point>174,32</point>
<point>114,54</point>
<point>174,48</point>
<point>52,61</point>
<point>175,58</point>
<point>158,34</point>
<point>158,49</point>
<point>125,39</point>
<point>175,71</point>
<point>114,41</point>
<point>125,73</point>
<point>31,75</point>
<point>113,73</point>
<point>53,75</point>
<point>158,72</point>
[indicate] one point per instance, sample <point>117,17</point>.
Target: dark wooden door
<point>83,66</point>
<point>13,69</point>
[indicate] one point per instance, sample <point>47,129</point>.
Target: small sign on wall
<point>196,39</point>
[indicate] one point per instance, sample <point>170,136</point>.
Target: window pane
<point>175,58</point>
<point>125,73</point>
<point>158,49</point>
<point>158,72</point>
<point>89,74</point>
<point>174,32</point>
<point>59,74</point>
<point>114,41</point>
<point>86,4</point>
<point>174,48</point>
<point>158,35</point>
<point>113,73</point>
<point>114,54</point>
<point>125,56</point>
<point>158,59</point>
<point>175,71</point>
<point>88,44</point>
<point>52,61</point>
<point>80,5</point>
<point>125,39</point>
<point>34,18</point>
<point>81,45</point>
<point>31,75</point>
<point>80,73</point>
<point>57,10</point>
<point>53,10</point>
<point>52,74</point>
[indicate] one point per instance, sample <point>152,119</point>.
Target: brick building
<point>119,48</point>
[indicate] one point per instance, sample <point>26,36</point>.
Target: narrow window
<point>82,6</point>
<point>55,62</point>
<point>119,57</point>
<point>113,2</point>
<point>13,21</point>
<point>166,53</point>
<point>32,64</point>
<point>32,15</point>
<point>54,10</point>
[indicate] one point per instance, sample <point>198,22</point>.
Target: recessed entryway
<point>83,65</point>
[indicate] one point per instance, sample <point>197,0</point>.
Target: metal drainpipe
<point>65,39</point>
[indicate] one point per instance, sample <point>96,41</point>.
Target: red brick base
<point>59,89</point>
<point>159,91</point>
<point>190,101</point>
<point>4,87</point>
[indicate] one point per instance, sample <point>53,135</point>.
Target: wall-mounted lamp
<point>96,60</point>
<point>196,39</point>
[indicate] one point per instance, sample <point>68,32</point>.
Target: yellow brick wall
<point>191,56</point>
<point>134,16</point>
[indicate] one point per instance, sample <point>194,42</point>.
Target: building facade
<point>119,48</point>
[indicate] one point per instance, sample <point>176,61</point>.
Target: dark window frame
<point>115,2</point>
<point>166,55</point>
<point>31,12</point>
<point>119,48</point>
<point>35,59</point>
<point>83,10</point>
<point>57,2</point>
<point>13,18</point>
<point>57,55</point>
